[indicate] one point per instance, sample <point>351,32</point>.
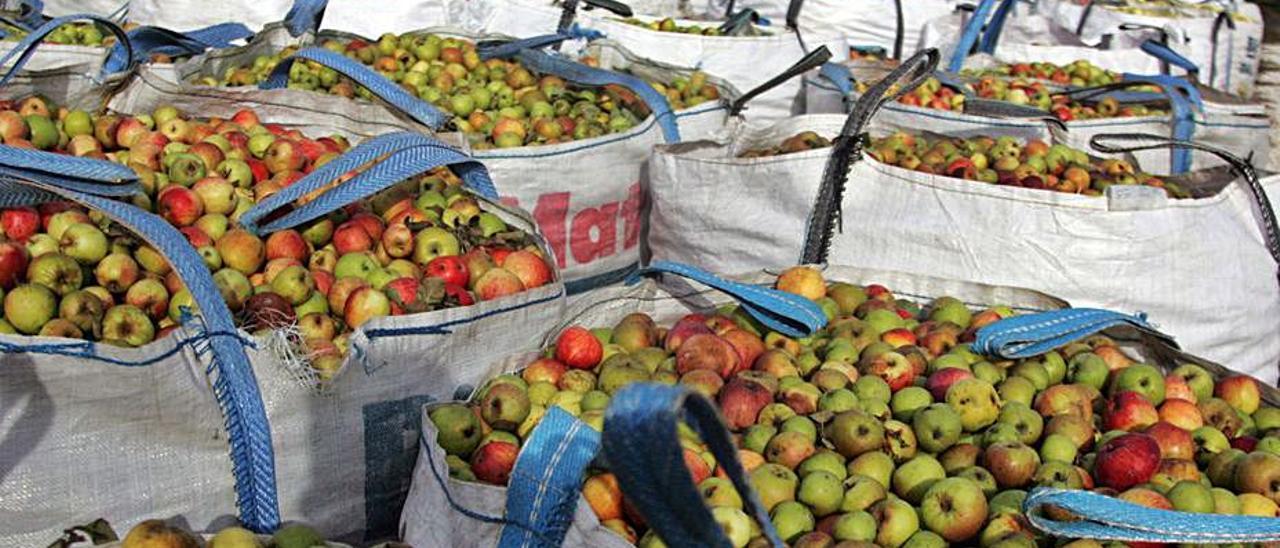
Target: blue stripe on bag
<point>644,452</point>
<point>547,480</point>
<point>402,155</point>
<point>304,16</point>
<point>539,61</point>
<point>235,387</point>
<point>1109,518</point>
<point>26,47</point>
<point>1035,334</point>
<point>786,313</point>
<point>147,41</point>
<point>381,87</point>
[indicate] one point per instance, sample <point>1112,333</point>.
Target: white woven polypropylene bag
<point>117,10</point>
<point>744,61</point>
<point>860,22</point>
<point>254,14</point>
<point>1145,254</point>
<point>349,447</point>
<point>430,519</point>
<point>1231,64</point>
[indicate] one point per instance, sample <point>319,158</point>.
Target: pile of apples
<point>800,142</point>
<point>154,533</point>
<point>1008,161</point>
<point>1079,73</point>
<point>496,103</point>
<point>931,94</point>
<point>1034,93</point>
<point>681,92</point>
<point>422,245</point>
<point>72,34</point>
<point>886,427</point>
<point>670,25</point>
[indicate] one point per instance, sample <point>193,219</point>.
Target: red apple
<point>1126,461</point>
<point>530,268</point>
<point>578,348</point>
<point>451,269</point>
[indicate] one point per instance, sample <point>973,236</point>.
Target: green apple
<point>954,508</point>
<point>857,526</point>
<point>916,476</point>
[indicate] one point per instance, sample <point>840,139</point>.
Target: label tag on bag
<point>1135,198</point>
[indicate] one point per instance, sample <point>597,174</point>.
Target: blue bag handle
<point>304,16</point>
<point>643,450</point>
<point>546,63</point>
<point>31,14</point>
<point>236,388</point>
<point>839,75</point>
<point>1184,101</point>
<point>786,313</point>
<point>384,89</point>
<point>399,156</point>
<point>969,35</point>
<point>1110,518</point>
<point>1035,334</point>
<point>26,47</point>
<point>1166,55</point>
<point>547,481</point>
<point>992,37</point>
<point>84,175</point>
<point>152,40</point>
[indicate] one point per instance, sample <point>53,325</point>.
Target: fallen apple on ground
<point>885,427</point>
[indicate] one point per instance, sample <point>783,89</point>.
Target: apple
<point>1127,460</point>
<point>83,242</point>
<point>494,461</point>
<point>1128,410</point>
<point>435,242</point>
<point>496,283</point>
<point>1199,380</point>
<point>774,484</point>
<point>351,237</point>
<point>954,508</point>
<point>896,521</point>
<point>364,304</point>
<point>1239,391</point>
<point>150,296</point>
<point>532,269</point>
<point>975,401</point>
<point>127,325</point>
<point>19,223</point>
<point>29,307</point>
<point>241,251</point>
<point>578,348</point>
<point>56,271</point>
<point>294,283</point>
<point>803,281</point>
<point>1013,464</point>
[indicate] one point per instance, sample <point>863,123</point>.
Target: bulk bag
<point>94,429</point>
<point>347,464</point>
<point>542,502</point>
<point>586,200</point>
<point>352,445</point>
<point>746,60</point>
<point>1183,111</point>
<point>1224,39</point>
<point>893,25</point>
<point>1000,235</point>
<point>75,76</point>
<point>255,15</point>
<point>645,442</point>
<point>1010,31</point>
